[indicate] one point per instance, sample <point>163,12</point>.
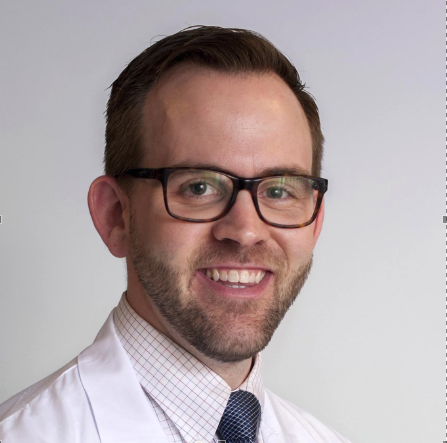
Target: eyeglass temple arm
<point>140,173</point>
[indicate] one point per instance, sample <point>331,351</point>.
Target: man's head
<point>228,100</point>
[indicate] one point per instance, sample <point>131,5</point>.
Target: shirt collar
<point>191,395</point>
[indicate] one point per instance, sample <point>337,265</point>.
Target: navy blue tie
<point>240,420</point>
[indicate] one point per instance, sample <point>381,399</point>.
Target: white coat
<point>96,398</point>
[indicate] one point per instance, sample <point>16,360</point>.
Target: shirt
<point>188,397</point>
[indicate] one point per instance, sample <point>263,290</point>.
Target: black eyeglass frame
<point>239,184</point>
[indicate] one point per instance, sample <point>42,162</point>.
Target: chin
<point>233,343</point>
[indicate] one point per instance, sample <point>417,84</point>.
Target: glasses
<point>203,195</point>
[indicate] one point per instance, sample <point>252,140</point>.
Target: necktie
<point>240,420</point>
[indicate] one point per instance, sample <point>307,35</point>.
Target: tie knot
<point>240,420</point>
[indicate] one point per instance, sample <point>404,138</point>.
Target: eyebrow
<point>266,172</point>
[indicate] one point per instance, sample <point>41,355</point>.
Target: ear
<point>318,223</point>
<point>108,207</point>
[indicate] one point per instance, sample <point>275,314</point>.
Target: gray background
<point>363,347</point>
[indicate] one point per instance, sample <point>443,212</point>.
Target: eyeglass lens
<point>202,195</point>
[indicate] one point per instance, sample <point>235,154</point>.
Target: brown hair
<point>223,49</point>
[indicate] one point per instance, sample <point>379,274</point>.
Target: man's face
<point>243,125</point>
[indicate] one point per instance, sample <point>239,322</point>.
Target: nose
<point>242,224</point>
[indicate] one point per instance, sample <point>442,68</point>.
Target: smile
<point>234,277</point>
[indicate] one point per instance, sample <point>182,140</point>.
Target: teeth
<point>234,276</point>
<point>244,277</point>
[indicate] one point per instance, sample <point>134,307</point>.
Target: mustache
<point>228,250</point>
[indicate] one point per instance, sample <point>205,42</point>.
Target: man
<point>212,193</point>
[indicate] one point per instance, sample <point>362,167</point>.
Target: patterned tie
<point>240,420</point>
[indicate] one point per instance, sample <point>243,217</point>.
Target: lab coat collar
<point>280,423</point>
<point>121,409</point>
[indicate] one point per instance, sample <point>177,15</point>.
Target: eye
<point>198,188</point>
<point>275,192</point>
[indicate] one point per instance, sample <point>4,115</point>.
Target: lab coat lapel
<point>278,424</point>
<point>120,408</point>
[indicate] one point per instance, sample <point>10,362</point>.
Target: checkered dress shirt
<point>188,397</point>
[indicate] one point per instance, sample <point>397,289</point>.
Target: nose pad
<point>242,224</point>
<point>246,196</point>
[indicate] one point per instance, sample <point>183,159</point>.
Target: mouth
<point>235,278</point>
<point>236,283</point>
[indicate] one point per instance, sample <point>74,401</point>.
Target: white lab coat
<point>97,398</point>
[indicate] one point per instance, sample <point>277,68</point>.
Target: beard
<point>223,329</point>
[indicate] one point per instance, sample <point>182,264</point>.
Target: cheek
<point>296,244</point>
<point>169,238</point>
<point>154,224</point>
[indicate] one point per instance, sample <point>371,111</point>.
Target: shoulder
<point>38,391</point>
<point>291,419</point>
<point>49,410</point>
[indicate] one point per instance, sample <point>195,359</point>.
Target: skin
<point>242,124</point>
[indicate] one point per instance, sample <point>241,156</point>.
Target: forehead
<point>243,124</point>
